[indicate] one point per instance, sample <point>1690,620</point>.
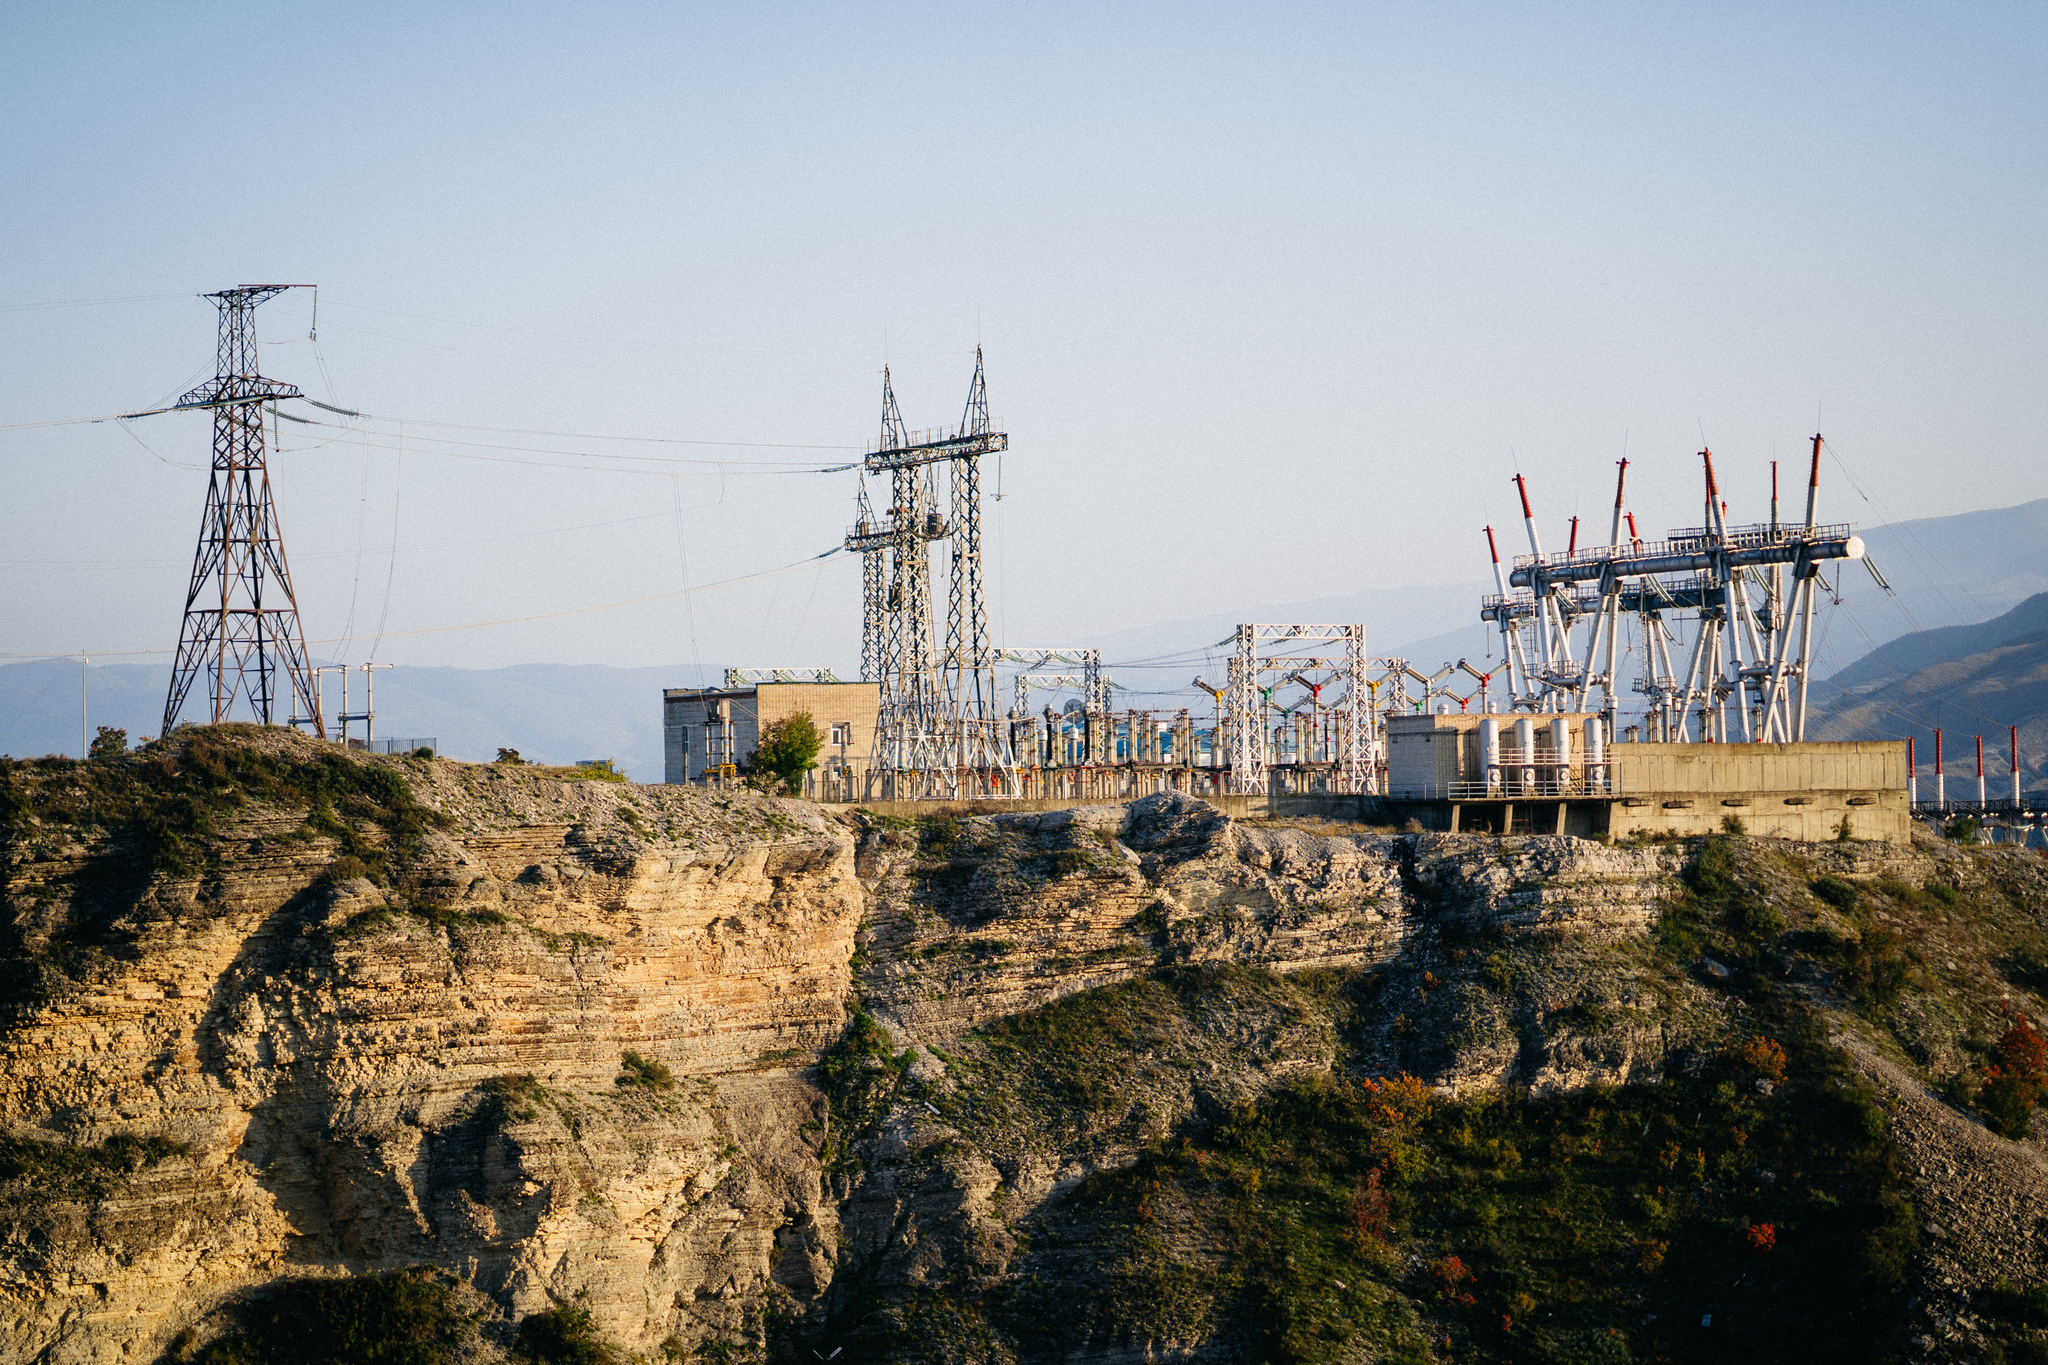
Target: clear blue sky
<point>1274,298</point>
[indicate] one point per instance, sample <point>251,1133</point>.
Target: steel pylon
<point>940,723</point>
<point>241,625</point>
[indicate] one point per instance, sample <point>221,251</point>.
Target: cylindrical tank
<point>1525,752</point>
<point>1489,752</point>
<point>1560,751</point>
<point>1596,753</point>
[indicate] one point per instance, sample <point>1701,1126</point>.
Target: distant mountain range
<point>1963,680</point>
<point>1943,571</point>
<point>555,713</point>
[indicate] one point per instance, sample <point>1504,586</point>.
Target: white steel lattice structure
<point>940,730</point>
<point>1335,654</point>
<point>1747,671</point>
<point>1043,667</point>
<point>749,677</point>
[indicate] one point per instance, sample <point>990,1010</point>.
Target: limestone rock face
<point>365,1084</point>
<point>357,1075</point>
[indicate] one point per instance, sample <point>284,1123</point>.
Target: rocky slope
<point>728,1074</point>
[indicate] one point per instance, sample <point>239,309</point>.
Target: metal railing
<point>1690,540</point>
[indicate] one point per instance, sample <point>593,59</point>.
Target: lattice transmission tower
<point>940,720</point>
<point>976,707</point>
<point>241,626</point>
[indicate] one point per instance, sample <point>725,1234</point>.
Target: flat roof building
<point>708,733</point>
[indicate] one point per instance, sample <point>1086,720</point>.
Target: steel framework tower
<point>241,622</point>
<point>975,707</point>
<point>1747,674</point>
<point>940,722</point>
<point>1356,749</point>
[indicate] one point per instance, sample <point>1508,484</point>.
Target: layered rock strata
<point>353,1078</point>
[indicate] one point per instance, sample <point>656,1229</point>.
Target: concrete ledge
<point>1321,805</point>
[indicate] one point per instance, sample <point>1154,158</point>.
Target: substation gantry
<point>1339,736</point>
<point>1046,668</point>
<point>1753,591</point>
<point>940,729</point>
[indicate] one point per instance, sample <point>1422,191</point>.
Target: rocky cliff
<point>691,1072</point>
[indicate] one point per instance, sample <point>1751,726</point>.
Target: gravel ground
<point>1983,1204</point>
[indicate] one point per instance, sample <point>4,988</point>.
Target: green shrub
<point>404,1317</point>
<point>1068,861</point>
<point>1836,892</point>
<point>63,1170</point>
<point>562,1336</point>
<point>2026,1307</point>
<point>108,743</point>
<point>644,1073</point>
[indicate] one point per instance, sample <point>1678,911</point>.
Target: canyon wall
<point>562,1038</point>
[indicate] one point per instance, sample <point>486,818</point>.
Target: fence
<point>395,746</point>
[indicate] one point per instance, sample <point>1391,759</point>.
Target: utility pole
<point>240,640</point>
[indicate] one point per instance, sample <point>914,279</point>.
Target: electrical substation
<point>1653,685</point>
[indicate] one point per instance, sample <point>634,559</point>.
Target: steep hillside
<point>313,1057</point>
<point>1965,680</point>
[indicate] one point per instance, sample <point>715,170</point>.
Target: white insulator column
<point>1489,753</point>
<point>1525,760</point>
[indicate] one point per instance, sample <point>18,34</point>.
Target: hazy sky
<point>1274,298</point>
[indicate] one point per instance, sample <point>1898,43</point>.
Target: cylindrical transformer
<point>1596,753</point>
<point>1561,751</point>
<point>1489,752</point>
<point>1525,752</point>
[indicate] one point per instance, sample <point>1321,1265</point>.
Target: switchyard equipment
<point>1336,654</point>
<point>1044,667</point>
<point>940,730</point>
<point>241,625</point>
<point>1747,673</point>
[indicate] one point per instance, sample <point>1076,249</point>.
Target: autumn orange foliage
<point>1763,1056</point>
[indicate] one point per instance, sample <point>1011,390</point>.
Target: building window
<point>842,733</point>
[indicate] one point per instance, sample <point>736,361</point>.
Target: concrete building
<point>1559,774</point>
<point>707,733</point>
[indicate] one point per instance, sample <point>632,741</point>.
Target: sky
<point>1274,299</point>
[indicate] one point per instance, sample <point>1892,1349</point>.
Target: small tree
<point>788,749</point>
<point>510,757</point>
<point>108,743</point>
<point>2013,1083</point>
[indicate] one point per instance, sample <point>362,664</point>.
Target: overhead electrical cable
<point>411,422</point>
<point>609,606</point>
<point>740,466</point>
<point>88,303</point>
<point>483,625</point>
